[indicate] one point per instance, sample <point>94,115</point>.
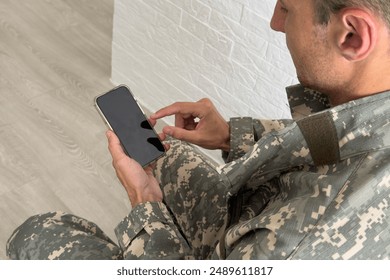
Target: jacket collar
<point>367,118</point>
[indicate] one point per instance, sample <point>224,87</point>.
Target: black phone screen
<point>126,119</point>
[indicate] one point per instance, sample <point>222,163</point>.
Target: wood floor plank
<point>55,57</point>
<point>67,52</point>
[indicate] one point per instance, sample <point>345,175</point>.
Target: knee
<point>182,153</point>
<point>58,235</point>
<point>26,240</point>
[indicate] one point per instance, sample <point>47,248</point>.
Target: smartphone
<point>125,117</point>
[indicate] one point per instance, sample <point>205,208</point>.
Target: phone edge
<point>109,125</point>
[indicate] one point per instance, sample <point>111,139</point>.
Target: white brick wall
<point>184,50</point>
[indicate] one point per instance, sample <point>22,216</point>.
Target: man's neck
<point>361,85</point>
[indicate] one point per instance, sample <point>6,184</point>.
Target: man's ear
<point>357,36</point>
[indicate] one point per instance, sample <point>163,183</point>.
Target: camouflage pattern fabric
<point>58,235</point>
<point>269,201</point>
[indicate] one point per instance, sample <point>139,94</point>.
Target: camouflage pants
<point>192,192</point>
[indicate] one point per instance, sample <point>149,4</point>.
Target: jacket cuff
<point>140,216</point>
<point>241,138</point>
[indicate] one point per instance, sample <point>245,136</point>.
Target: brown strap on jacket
<point>320,134</point>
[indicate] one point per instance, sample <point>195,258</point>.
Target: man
<point>316,187</point>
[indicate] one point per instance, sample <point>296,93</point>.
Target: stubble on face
<point>315,66</point>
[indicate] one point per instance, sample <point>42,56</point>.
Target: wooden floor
<point>55,57</point>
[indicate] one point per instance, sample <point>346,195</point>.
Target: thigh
<point>58,235</point>
<point>195,193</point>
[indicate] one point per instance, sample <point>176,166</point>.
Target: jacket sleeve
<point>149,232</point>
<point>246,131</point>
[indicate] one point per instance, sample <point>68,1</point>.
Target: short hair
<point>325,8</point>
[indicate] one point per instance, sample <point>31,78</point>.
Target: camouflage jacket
<point>315,187</point>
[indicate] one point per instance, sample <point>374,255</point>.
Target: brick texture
<point>185,50</point>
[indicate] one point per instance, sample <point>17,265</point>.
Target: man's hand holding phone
<point>139,183</point>
<point>137,146</point>
<point>133,144</point>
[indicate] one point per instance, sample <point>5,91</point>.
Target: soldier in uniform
<point>315,187</point>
